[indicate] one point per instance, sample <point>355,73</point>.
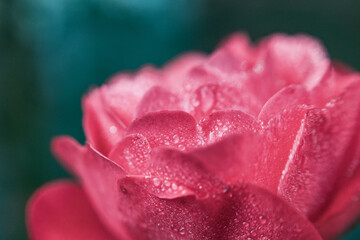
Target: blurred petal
<point>158,99</point>
<point>68,151</point>
<point>295,59</point>
<point>61,210</point>
<point>342,212</point>
<point>102,128</point>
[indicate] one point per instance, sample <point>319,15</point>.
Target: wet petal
<point>311,170</point>
<point>177,129</point>
<point>182,168</point>
<point>250,212</point>
<point>223,123</point>
<point>276,144</point>
<point>232,159</point>
<point>131,153</point>
<point>61,210</point>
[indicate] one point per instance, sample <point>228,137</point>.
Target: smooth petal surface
<point>68,151</point>
<point>158,99</point>
<point>61,210</point>
<point>101,127</point>
<point>287,98</point>
<point>342,212</point>
<point>299,59</point>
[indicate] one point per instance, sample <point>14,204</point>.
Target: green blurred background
<point>51,51</point>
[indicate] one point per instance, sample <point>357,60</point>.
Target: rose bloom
<point>250,142</point>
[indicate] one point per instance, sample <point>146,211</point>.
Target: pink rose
<point>251,142</point>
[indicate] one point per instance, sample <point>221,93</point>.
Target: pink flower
<point>251,142</point>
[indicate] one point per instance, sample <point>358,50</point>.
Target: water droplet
<point>113,129</point>
<point>182,147</point>
<point>176,138</point>
<point>123,189</point>
<point>174,186</point>
<point>181,230</point>
<point>157,182</point>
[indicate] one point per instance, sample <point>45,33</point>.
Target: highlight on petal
<point>278,140</point>
<point>310,173</point>
<point>61,210</point>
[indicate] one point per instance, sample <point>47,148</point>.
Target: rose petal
<point>101,127</point>
<point>177,70</point>
<point>232,159</point>
<point>68,151</point>
<point>177,129</point>
<point>131,153</point>
<point>345,112</point>
<point>295,59</point>
<point>184,169</point>
<point>157,99</point>
<point>275,145</point>
<point>62,210</point>
<point>118,201</point>
<point>124,92</point>
<point>239,45</point>
<point>311,170</point>
<point>287,98</point>
<point>223,123</point>
<point>244,211</point>
<point>342,212</point>
<point>250,212</point>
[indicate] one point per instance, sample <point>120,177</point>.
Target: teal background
<point>51,51</point>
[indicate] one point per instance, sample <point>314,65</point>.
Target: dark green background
<point>51,51</point>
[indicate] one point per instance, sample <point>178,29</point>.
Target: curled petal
<point>61,210</point>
